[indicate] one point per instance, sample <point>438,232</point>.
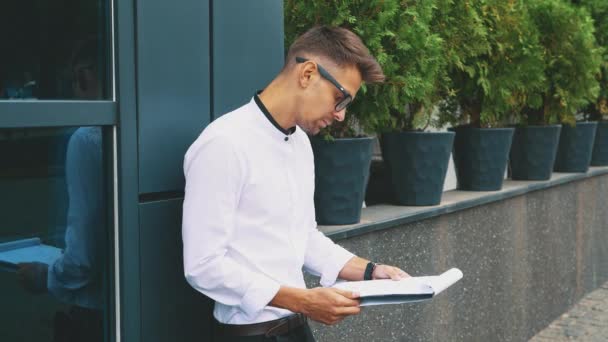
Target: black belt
<point>275,327</point>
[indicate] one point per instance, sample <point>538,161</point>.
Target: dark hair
<point>340,46</point>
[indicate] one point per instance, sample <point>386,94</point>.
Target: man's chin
<point>312,131</point>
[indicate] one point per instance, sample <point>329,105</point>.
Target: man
<point>76,278</point>
<point>249,219</point>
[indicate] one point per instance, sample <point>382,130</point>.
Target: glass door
<point>57,160</point>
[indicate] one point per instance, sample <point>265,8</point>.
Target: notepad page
<point>443,281</point>
<point>39,253</point>
<point>386,287</point>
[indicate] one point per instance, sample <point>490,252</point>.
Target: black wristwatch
<point>369,270</point>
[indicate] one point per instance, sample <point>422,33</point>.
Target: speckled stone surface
<point>480,157</point>
<point>417,164</point>
<point>533,152</point>
<point>525,259</point>
<point>600,147</point>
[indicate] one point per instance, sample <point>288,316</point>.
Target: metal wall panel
<point>171,310</point>
<point>173,87</point>
<point>247,50</point>
<point>183,77</point>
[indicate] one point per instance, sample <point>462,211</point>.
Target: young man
<point>76,277</point>
<point>249,219</point>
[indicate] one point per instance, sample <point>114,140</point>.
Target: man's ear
<point>306,73</point>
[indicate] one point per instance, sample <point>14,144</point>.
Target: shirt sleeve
<point>214,179</point>
<point>323,257</point>
<point>79,264</point>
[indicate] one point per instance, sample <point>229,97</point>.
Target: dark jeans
<point>301,334</point>
<point>78,325</point>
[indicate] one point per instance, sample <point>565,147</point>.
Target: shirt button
<point>286,138</point>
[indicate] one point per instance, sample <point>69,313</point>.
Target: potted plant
<point>572,61</point>
<point>488,89</point>
<point>538,128</point>
<point>343,151</point>
<point>598,110</point>
<point>415,159</point>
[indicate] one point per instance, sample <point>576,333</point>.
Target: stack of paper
<point>408,290</point>
<point>27,250</point>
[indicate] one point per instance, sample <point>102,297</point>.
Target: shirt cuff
<point>261,291</point>
<point>55,287</point>
<point>332,269</point>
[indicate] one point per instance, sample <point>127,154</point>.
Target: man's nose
<point>339,116</point>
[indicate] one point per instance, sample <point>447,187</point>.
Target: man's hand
<point>325,305</point>
<point>329,305</point>
<point>389,272</point>
<point>32,276</point>
<point>355,268</point>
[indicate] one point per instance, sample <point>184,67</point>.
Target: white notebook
<point>26,250</point>
<point>408,290</point>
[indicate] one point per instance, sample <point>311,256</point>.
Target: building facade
<point>99,100</point>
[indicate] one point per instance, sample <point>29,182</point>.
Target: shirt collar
<point>263,109</point>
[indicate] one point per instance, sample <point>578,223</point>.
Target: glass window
<point>55,50</point>
<point>55,233</point>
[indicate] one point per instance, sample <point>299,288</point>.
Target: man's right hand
<point>329,305</point>
<point>325,305</point>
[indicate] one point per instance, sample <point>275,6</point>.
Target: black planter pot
<point>575,147</point>
<point>379,189</point>
<point>341,174</point>
<point>599,156</point>
<point>480,157</point>
<point>533,152</point>
<point>417,163</point>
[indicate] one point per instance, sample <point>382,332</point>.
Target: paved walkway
<point>587,321</point>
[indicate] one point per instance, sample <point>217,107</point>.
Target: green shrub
<point>415,74</point>
<point>599,12</point>
<point>572,61</point>
<point>495,61</point>
<point>488,63</point>
<point>397,33</point>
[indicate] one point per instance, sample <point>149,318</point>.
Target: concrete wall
<point>525,261</point>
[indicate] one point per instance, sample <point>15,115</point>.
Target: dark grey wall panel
<point>173,87</point>
<point>247,49</point>
<point>171,310</point>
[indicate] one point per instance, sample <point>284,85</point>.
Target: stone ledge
<point>383,216</point>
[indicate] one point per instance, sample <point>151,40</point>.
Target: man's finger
<point>397,274</point>
<point>347,294</point>
<point>349,310</point>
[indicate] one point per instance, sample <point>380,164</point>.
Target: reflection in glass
<point>52,187</point>
<point>42,39</point>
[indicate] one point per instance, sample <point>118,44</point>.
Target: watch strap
<point>369,270</point>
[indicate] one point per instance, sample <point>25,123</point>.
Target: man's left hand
<point>389,272</point>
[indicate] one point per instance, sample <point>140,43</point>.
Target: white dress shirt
<point>249,218</point>
<point>76,277</point>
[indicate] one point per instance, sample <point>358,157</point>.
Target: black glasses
<point>346,97</point>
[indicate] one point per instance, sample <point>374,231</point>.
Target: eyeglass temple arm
<point>324,73</point>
